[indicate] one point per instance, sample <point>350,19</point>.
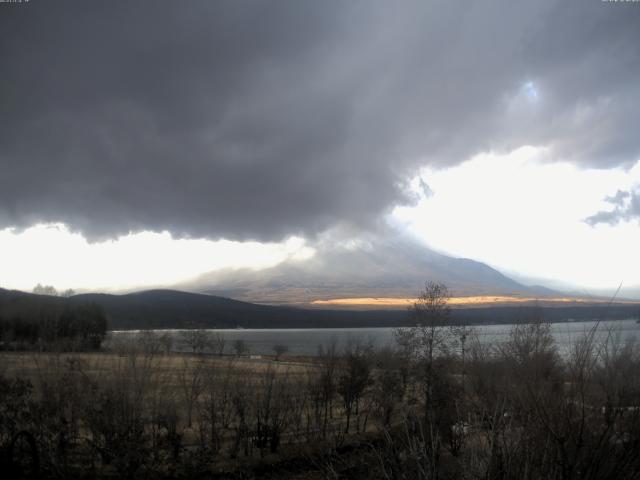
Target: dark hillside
<point>174,309</point>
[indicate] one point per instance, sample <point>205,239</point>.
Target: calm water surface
<point>305,341</point>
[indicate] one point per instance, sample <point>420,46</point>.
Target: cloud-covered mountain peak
<point>395,267</point>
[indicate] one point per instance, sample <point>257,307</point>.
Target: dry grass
<point>29,365</point>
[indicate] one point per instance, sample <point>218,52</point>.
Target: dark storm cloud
<point>263,119</point>
<point>626,206</point>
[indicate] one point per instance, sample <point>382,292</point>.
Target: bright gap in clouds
<point>523,215</point>
<point>52,255</point>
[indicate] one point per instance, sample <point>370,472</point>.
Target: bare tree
<point>166,342</point>
<point>531,352</point>
<point>268,411</point>
<point>280,349</point>
<point>430,337</point>
<point>196,340</point>
<point>242,414</point>
<point>355,377</point>
<point>389,384</point>
<point>326,381</point>
<point>219,343</point>
<point>240,347</point>
<point>216,405</point>
<point>190,379</point>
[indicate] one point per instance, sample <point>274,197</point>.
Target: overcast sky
<point>185,136</point>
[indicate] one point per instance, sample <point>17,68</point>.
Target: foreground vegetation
<point>438,405</point>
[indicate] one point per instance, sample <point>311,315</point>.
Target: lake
<point>301,341</point>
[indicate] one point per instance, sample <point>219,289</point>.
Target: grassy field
<point>32,365</point>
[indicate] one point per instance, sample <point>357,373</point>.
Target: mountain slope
<point>377,268</point>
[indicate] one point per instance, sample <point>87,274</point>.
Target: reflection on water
<point>301,341</point>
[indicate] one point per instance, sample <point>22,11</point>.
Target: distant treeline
<point>45,323</point>
<point>520,314</point>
